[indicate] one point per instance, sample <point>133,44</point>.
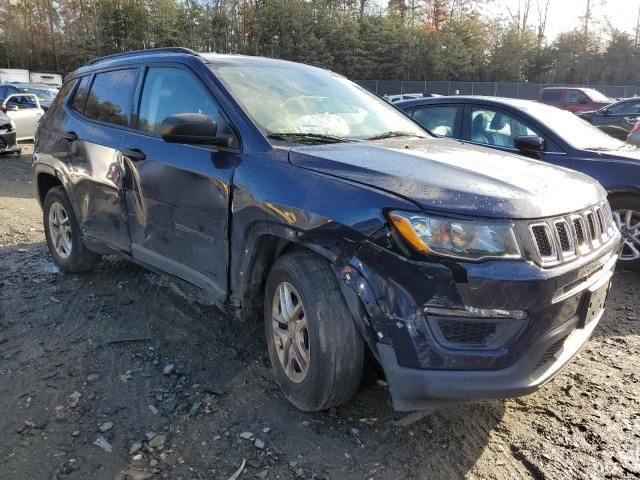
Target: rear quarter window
<point>80,95</point>
<point>552,95</point>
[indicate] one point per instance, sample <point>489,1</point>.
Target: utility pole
<point>586,18</point>
<point>637,29</point>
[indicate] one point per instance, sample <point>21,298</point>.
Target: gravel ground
<point>121,373</point>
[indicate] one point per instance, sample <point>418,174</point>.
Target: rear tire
<point>63,234</point>
<point>316,352</point>
<point>626,213</point>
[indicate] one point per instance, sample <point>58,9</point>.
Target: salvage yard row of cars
<point>289,193</point>
<point>21,107</point>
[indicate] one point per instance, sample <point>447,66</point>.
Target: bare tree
<point>543,12</point>
<point>521,16</point>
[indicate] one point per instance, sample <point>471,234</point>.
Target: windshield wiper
<point>598,149</point>
<point>291,137</point>
<point>395,133</point>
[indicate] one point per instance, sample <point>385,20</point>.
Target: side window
<point>111,96</point>
<point>626,108</point>
<point>497,128</point>
<point>80,97</point>
<point>439,120</point>
<point>552,95</point>
<point>3,92</point>
<point>168,91</point>
<point>575,96</point>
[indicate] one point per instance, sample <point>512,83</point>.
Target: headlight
<point>467,240</point>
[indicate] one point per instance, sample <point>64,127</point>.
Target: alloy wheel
<point>290,332</point>
<point>628,222</point>
<point>60,230</point>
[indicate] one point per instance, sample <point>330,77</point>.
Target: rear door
<point>178,196</point>
<point>440,119</point>
<point>577,101</point>
<point>100,113</point>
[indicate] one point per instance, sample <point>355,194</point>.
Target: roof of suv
<point>179,52</point>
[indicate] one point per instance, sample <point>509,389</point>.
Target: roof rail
<point>187,51</point>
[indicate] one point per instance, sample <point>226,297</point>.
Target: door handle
<point>134,154</point>
<point>70,136</point>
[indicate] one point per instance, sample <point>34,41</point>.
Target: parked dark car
<point>7,135</point>
<point>290,193</point>
<point>617,119</point>
<point>574,99</point>
<point>549,134</point>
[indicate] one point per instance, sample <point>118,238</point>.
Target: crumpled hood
<point>444,175</point>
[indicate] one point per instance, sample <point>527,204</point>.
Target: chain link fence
<point>529,91</point>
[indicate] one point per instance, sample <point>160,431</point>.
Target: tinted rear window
<point>111,95</point>
<point>80,97</point>
<point>552,95</point>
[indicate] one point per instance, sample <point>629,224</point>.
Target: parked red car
<point>574,99</point>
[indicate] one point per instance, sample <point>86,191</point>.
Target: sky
<point>565,14</point>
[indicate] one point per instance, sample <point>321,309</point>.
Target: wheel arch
<point>46,179</point>
<point>263,245</point>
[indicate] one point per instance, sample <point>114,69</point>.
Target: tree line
<point>363,39</point>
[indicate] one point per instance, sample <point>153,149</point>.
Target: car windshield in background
<point>571,128</point>
<point>284,101</point>
<point>44,95</point>
<point>596,96</point>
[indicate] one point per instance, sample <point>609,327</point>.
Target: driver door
<point>25,111</point>
<point>178,195</point>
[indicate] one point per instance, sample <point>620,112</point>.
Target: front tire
<point>626,214</point>
<point>315,349</point>
<point>63,234</point>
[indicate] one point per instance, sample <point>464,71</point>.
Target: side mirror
<point>9,108</point>
<point>529,143</point>
<point>194,129</point>
<point>583,101</point>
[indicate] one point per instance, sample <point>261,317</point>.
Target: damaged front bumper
<point>418,318</point>
<point>8,143</point>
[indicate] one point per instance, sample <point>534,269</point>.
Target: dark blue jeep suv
<point>288,192</point>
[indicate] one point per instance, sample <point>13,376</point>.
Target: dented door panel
<point>177,201</point>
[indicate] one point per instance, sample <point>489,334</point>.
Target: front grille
<point>550,353</point>
<point>579,229</point>
<point>558,240</point>
<point>592,225</point>
<point>562,229</point>
<point>543,240</point>
<point>467,333</point>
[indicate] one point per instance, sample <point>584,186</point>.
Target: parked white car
<point>25,111</point>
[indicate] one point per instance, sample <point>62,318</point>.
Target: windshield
<point>43,94</point>
<point>596,96</point>
<point>571,128</point>
<point>284,99</point>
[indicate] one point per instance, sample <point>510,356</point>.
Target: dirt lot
<point>122,353</point>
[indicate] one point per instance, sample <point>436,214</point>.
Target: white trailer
<point>13,75</point>
<point>54,79</point>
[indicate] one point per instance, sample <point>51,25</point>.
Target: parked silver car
<point>25,111</point>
